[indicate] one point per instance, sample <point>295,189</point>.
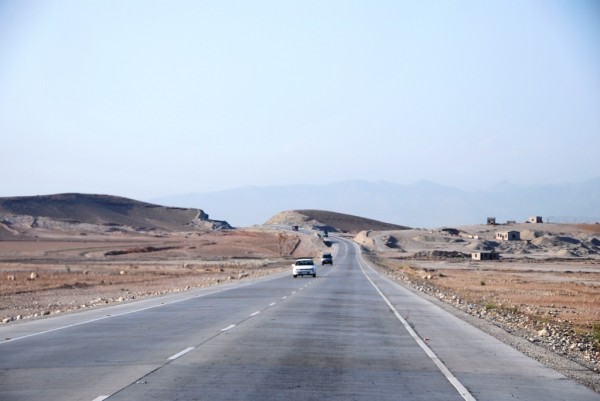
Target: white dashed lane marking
<point>177,355</point>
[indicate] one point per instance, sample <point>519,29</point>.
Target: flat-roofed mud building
<point>508,236</point>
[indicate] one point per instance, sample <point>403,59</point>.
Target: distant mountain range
<point>422,204</point>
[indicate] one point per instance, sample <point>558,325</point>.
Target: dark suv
<point>326,259</point>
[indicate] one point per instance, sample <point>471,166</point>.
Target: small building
<point>535,219</point>
<point>491,221</point>
<point>485,255</point>
<point>508,236</point>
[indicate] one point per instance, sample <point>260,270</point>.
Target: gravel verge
<point>574,365</point>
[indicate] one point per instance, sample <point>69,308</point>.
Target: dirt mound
<point>529,235</point>
<point>390,241</point>
<point>563,253</point>
<point>52,211</point>
<point>292,218</point>
<point>451,231</point>
<point>545,242</point>
<point>437,254</point>
<point>482,246</point>
<point>433,239</point>
<point>331,221</point>
<point>569,240</point>
<point>363,238</point>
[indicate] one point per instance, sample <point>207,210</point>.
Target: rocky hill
<point>51,211</point>
<point>330,221</point>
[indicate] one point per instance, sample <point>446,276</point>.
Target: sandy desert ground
<point>57,272</point>
<point>544,289</point>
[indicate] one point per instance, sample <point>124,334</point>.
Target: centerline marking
<point>177,355</point>
<point>231,326</point>
<point>115,306</point>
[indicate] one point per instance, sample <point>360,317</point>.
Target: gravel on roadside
<point>572,365</point>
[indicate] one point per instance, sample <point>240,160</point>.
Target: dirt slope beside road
<point>330,221</point>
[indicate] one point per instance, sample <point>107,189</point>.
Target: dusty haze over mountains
<point>423,204</point>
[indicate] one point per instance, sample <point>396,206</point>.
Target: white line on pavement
<point>10,340</point>
<point>231,326</point>
<point>445,371</point>
<point>177,355</point>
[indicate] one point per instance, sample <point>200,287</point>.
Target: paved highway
<point>348,334</point>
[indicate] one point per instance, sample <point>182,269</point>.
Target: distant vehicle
<point>327,259</point>
<point>304,267</point>
<point>295,228</point>
<point>325,234</point>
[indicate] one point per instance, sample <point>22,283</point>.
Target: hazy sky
<point>153,98</point>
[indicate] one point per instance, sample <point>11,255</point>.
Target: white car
<point>304,267</point>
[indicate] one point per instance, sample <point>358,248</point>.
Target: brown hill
<point>331,221</point>
<point>103,210</point>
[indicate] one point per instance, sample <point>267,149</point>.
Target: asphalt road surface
<point>348,334</point>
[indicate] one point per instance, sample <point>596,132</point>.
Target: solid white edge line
<point>231,326</point>
<point>177,355</point>
<point>462,390</point>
